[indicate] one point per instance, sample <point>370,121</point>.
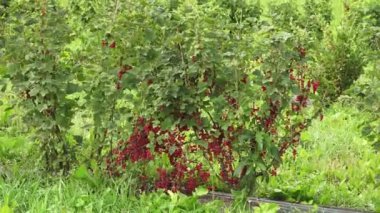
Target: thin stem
<point>210,116</point>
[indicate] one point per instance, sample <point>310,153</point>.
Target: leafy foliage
<point>191,82</point>
<point>365,96</point>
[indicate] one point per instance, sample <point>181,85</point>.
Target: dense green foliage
<point>190,80</point>
<point>122,98</point>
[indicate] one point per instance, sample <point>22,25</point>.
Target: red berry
<point>233,102</point>
<point>104,43</point>
<point>127,67</point>
<point>244,79</point>
<point>205,77</point>
<point>191,184</point>
<point>113,45</point>
<point>273,172</point>
<point>295,108</point>
<point>120,74</point>
<point>193,58</point>
<point>302,52</point>
<point>315,86</point>
<point>118,85</point>
<point>308,85</point>
<point>294,153</point>
<point>211,188</point>
<point>291,77</point>
<point>204,176</point>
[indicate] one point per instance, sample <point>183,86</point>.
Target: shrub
<point>35,39</point>
<point>348,49</point>
<point>208,96</point>
<point>187,89</point>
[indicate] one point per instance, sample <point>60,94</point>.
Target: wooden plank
<point>284,206</point>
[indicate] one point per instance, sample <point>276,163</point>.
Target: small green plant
<point>267,208</point>
<point>175,202</point>
<point>6,207</point>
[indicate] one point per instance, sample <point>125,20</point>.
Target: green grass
<point>58,195</point>
<point>36,195</point>
<point>335,165</point>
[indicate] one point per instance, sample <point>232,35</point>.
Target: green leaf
<point>34,91</point>
<point>152,54</point>
<point>167,124</point>
<point>172,149</point>
<point>200,191</point>
<point>259,139</point>
<point>82,174</point>
<point>201,143</point>
<point>72,88</point>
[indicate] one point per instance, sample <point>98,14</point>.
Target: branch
<point>209,115</point>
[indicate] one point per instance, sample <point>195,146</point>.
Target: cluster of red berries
<point>301,101</point>
<point>123,70</point>
<point>105,44</point>
<point>180,177</point>
<point>219,149</point>
<point>298,102</point>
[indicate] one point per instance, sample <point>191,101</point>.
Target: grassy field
<point>335,166</point>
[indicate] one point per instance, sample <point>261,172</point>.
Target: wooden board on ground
<point>284,206</point>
